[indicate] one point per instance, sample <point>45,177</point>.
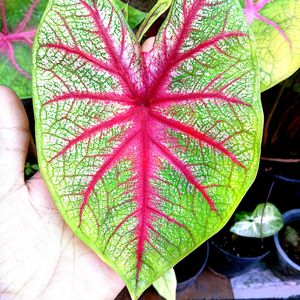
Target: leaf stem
<point>263,212</point>
<point>281,160</point>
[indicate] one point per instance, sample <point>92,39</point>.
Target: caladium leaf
<point>146,155</point>
<point>133,16</point>
<point>157,10</point>
<point>276,26</point>
<point>18,22</point>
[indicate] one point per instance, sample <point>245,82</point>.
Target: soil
<point>292,252</point>
<point>241,246</point>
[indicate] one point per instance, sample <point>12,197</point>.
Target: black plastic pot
<point>188,270</point>
<point>229,264</point>
<point>283,266</point>
<point>286,188</point>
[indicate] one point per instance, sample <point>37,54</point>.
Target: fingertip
<point>7,97</point>
<point>12,112</point>
<point>6,91</point>
<point>148,44</point>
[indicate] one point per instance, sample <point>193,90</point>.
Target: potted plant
<point>189,269</point>
<point>236,248</point>
<point>287,242</point>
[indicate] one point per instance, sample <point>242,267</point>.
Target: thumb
<point>14,141</point>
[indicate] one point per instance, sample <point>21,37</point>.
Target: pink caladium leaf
<point>146,155</point>
<point>18,23</point>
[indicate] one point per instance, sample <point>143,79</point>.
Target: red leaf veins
<point>145,116</point>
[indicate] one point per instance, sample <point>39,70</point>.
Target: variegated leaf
<point>146,155</point>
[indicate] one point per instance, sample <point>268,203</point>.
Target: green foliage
<point>133,16</point>
<point>30,169</point>
<point>292,236</point>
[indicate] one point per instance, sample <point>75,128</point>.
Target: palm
<point>40,256</point>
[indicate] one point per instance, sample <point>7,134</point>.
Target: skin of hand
<point>40,257</point>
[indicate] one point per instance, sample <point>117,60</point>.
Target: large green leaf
<point>18,23</point>
<point>276,26</point>
<point>146,155</point>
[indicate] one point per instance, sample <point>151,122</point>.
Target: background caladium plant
<point>18,22</point>
<point>146,155</point>
<point>276,26</point>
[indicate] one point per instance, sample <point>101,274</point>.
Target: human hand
<point>40,258</point>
